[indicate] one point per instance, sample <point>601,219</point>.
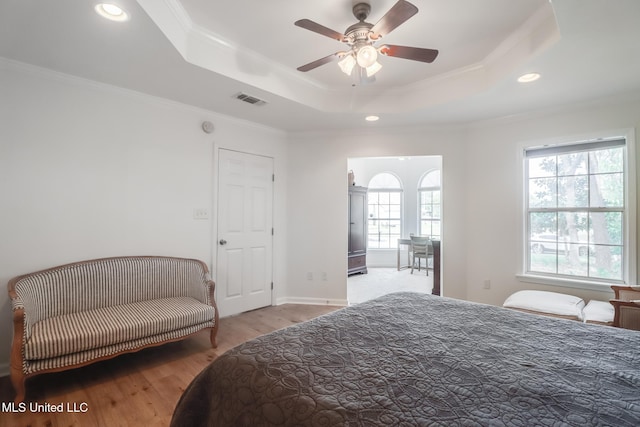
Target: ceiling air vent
<point>249,99</point>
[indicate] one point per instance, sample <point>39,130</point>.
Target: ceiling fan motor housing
<point>358,33</point>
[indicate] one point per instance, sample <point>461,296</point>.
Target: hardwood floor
<point>141,389</point>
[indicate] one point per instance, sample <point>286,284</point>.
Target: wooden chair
<point>627,307</point>
<point>421,248</point>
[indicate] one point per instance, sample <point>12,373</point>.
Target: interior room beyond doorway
<point>404,198</point>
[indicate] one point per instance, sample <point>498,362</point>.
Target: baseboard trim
<point>312,301</point>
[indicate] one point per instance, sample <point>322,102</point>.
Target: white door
<point>245,233</point>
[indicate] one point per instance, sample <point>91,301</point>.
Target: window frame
<point>390,190</point>
<point>629,257</point>
<point>432,189</point>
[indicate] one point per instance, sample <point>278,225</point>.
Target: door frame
<point>386,256</point>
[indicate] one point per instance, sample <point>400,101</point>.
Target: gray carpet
<point>382,281</point>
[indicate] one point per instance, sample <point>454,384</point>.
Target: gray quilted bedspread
<point>410,359</point>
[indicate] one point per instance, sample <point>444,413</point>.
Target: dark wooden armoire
<point>357,255</point>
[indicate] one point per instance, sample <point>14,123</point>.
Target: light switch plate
<point>201,213</point>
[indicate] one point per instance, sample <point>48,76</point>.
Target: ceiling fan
<point>361,37</point>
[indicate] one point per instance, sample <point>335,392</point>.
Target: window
<point>429,205</point>
<point>577,211</point>
<point>385,213</point>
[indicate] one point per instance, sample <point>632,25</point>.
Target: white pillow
<point>599,311</point>
<point>546,302</point>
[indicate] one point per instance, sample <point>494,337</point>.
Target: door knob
<point>223,242</point>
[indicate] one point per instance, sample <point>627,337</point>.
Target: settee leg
<point>18,382</point>
<point>213,337</point>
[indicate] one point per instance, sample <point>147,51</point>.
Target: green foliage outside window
<point>576,208</point>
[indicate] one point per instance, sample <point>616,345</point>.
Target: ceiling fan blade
<point>320,29</point>
<point>319,62</point>
<point>413,53</point>
<point>398,14</point>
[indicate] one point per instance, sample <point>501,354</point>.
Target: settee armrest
<point>209,288</point>
<point>24,307</point>
<point>21,332</point>
<point>210,291</point>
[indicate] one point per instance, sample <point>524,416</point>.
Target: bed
<point>411,359</point>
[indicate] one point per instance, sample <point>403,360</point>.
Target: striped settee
<point>76,314</point>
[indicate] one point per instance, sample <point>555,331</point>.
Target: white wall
<point>318,204</point>
<point>494,188</point>
<point>88,170</point>
<point>482,207</point>
<point>409,171</point>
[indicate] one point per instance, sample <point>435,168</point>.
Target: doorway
<point>419,212</point>
<point>244,232</point>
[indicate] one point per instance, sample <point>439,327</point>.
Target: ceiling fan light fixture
<point>367,56</point>
<point>374,68</point>
<point>347,63</point>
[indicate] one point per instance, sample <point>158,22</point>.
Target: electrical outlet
<point>323,276</point>
<point>487,284</point>
<point>309,276</point>
<point>201,213</point>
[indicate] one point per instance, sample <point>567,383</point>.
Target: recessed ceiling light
<point>112,12</point>
<point>528,78</point>
<point>372,118</point>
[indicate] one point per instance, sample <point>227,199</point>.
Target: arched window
<point>430,204</point>
<point>385,211</point>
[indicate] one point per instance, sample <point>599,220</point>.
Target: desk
<point>407,243</point>
<point>436,261</point>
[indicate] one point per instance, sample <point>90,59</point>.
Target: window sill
<point>567,283</point>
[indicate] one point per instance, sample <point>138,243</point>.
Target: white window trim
<point>388,190</point>
<point>419,213</point>
<point>630,224</point>
<point>419,205</point>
